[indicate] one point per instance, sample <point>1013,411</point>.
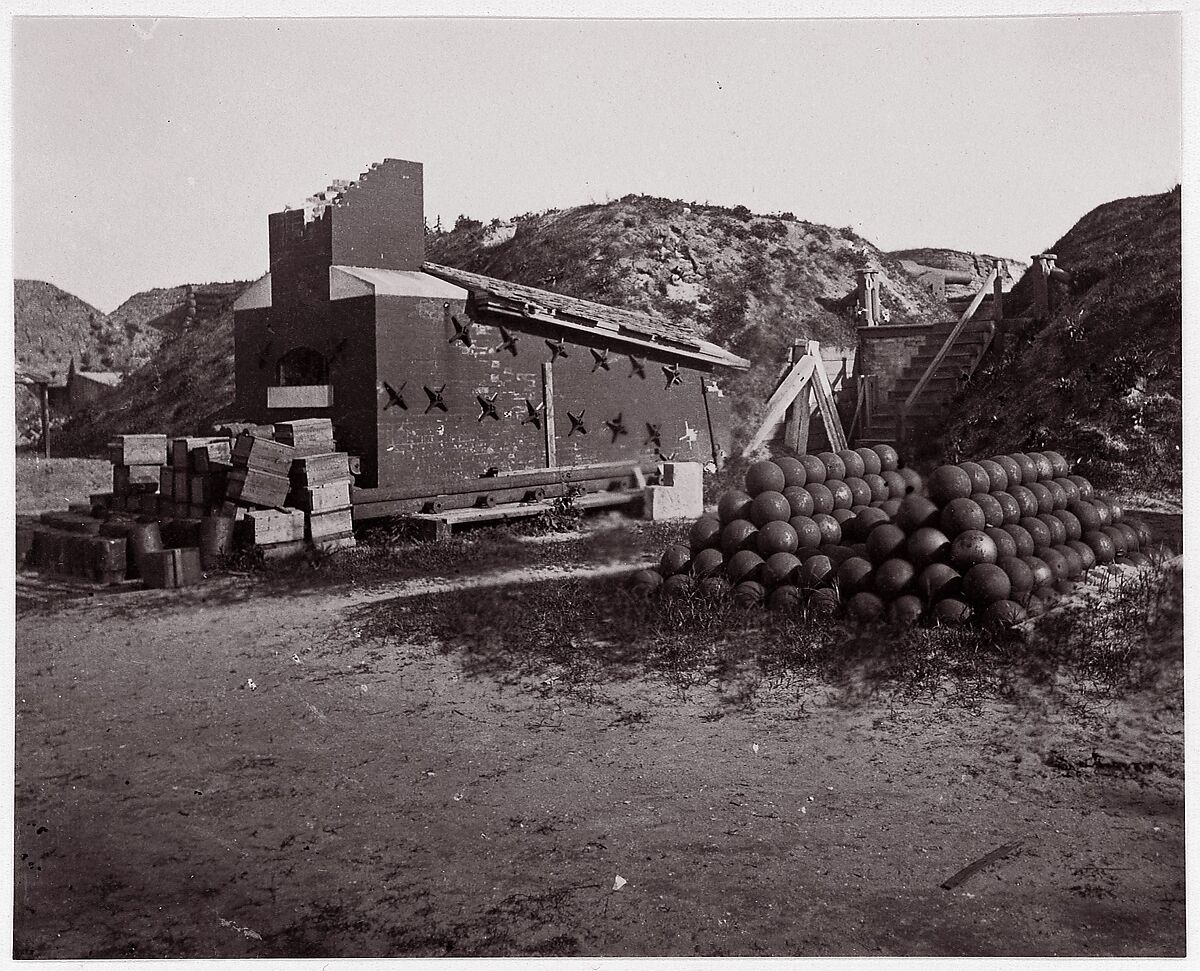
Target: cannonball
<point>905,610</point>
<point>1020,535</point>
<point>1115,509</point>
<point>912,480</point>
<point>1005,544</point>
<point>765,476</point>
<point>1020,575</point>
<point>865,523</point>
<point>679,585</point>
<point>1043,575</point>
<point>927,545</point>
<point>1071,523</point>
<point>948,482</point>
<point>1074,560</point>
<point>879,488</point>
<point>713,588</point>
<point>1103,511</point>
<point>1044,469</point>
<point>1064,588</point>
<point>1069,488</point>
<point>971,547</point>
<point>1119,540</point>
<point>1085,512</point>
<point>786,599</point>
<point>1011,469</point>
<point>993,511</point>
<point>1058,563</point>
<point>835,468</point>
<point>843,498</point>
<point>815,571</point>
<point>675,559</point>
<point>744,565</point>
<point>837,554</point>
<point>870,460</point>
<point>1010,507</point>
<point>860,492</point>
<point>843,516</point>
<point>779,568</point>
<point>1029,469</point>
<point>1133,542</point>
<point>1025,499</point>
<point>824,603</point>
<point>852,462</point>
<point>776,537</point>
<point>939,580</point>
<point>1058,529</point>
<point>704,534</point>
<point>738,535</point>
<point>749,594</point>
<point>808,533</point>
<point>814,468</point>
<point>897,487</point>
<point>891,507</point>
<point>1045,500</point>
<point>889,458</point>
<point>1038,530</point>
<point>950,612</point>
<point>916,511</point>
<point>707,563</point>
<point>865,607</point>
<point>1004,614</point>
<point>793,472</point>
<point>1143,532</point>
<point>1087,555</point>
<point>800,500</point>
<point>960,515</point>
<point>1084,487</point>
<point>986,583</point>
<point>980,480</point>
<point>1058,494</point>
<point>855,574</point>
<point>1059,464</point>
<point>769,507</point>
<point>821,496</point>
<point>997,477</point>
<point>644,583</point>
<point>831,529</point>
<point>884,542</point>
<point>894,577</point>
<point>735,504</point>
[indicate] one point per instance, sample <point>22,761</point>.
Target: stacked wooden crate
<point>193,484</point>
<point>321,480</point>
<point>136,461</point>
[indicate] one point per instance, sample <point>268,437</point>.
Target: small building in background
<point>80,390</point>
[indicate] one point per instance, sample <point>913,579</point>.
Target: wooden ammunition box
<point>213,455</point>
<point>257,488</point>
<point>314,470</point>
<point>264,527</point>
<point>138,450</point>
<point>166,482</point>
<point>129,479</point>
<point>323,498</point>
<point>329,524</point>
<point>172,568</point>
<point>262,455</point>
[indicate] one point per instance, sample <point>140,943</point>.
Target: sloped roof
<point>615,320</point>
<point>27,376</point>
<point>111,378</point>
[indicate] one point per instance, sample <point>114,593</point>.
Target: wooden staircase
<point>957,364</point>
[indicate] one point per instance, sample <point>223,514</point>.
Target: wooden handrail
<point>943,351</point>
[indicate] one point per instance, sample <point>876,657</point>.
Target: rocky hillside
<point>979,265</point>
<point>1102,380</point>
<point>749,282</point>
<point>185,384</point>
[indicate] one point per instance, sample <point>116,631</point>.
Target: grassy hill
<point>1102,380</point>
<point>752,283</point>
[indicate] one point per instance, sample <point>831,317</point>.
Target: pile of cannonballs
<point>854,532</point>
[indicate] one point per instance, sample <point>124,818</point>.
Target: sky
<point>149,152</point>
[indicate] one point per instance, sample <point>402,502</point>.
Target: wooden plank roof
<point>670,334</point>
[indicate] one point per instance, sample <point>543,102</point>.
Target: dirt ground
<point>238,770</point>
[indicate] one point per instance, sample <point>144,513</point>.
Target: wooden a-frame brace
<point>792,404</point>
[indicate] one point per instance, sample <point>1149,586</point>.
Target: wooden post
<point>548,414</point>
<point>44,398</point>
<point>795,432</point>
<point>998,296</point>
<point>868,296</point>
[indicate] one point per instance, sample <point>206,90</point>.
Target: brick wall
<point>887,350</point>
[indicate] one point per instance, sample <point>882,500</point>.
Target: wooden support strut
<point>805,380</point>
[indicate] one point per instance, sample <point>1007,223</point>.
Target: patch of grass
<point>54,483</point>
